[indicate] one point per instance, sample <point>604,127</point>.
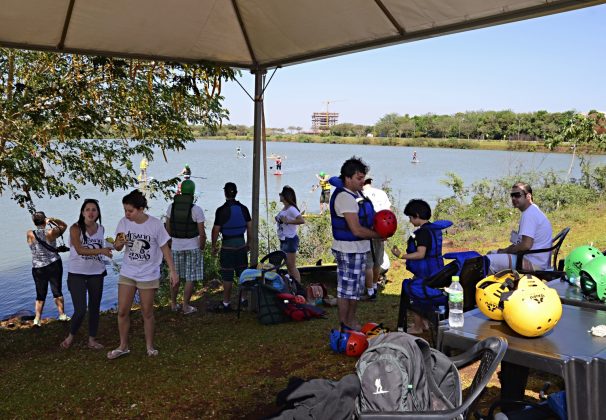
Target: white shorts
<point>500,262</point>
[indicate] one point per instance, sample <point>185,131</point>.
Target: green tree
<point>580,129</point>
<point>69,120</point>
<point>388,126</point>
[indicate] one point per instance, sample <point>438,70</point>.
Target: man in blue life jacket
<point>423,254</point>
<point>185,224</point>
<point>352,217</point>
<point>232,221</point>
<point>374,259</point>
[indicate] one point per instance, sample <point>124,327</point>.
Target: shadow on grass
<point>210,365</point>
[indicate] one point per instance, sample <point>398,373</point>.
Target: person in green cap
<point>185,224</point>
<point>324,185</point>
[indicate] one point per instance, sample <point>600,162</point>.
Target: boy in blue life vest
<point>423,252</point>
<point>352,217</point>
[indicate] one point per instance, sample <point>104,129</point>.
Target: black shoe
<point>244,303</point>
<point>369,298</point>
<point>221,308</point>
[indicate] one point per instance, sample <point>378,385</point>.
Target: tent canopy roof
<point>249,33</point>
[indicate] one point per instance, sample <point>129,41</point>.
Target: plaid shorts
<point>189,264</point>
<point>351,274</point>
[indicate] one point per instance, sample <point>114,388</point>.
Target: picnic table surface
<point>568,350</point>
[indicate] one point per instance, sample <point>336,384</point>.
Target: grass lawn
<point>211,365</point>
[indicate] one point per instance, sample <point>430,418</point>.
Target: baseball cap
<point>230,187</point>
<point>188,187</point>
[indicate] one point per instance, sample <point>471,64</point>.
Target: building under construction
<point>322,121</point>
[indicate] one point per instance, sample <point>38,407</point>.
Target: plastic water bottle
<point>455,304</point>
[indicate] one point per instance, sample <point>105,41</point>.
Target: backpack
<point>269,310</point>
<point>400,372</point>
<point>298,311</point>
<point>318,399</point>
<point>316,292</point>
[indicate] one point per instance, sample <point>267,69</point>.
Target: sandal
<point>152,352</point>
<point>95,345</point>
<point>114,354</point>
<point>65,344</point>
<point>189,310</point>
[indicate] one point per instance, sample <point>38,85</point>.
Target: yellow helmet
<point>489,290</point>
<point>532,309</point>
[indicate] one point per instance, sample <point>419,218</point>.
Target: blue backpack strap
<point>461,257</point>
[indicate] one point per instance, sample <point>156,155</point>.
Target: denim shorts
<point>290,245</point>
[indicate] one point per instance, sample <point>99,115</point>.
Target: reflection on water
<point>215,162</point>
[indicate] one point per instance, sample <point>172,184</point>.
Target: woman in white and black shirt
<point>86,271</point>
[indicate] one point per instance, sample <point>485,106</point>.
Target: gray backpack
<point>400,372</point>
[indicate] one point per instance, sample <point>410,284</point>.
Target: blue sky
<point>554,63</point>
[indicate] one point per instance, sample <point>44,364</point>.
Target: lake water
<point>217,162</point>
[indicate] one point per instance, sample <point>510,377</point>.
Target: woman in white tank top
<point>86,271</point>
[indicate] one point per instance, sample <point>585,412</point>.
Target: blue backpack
<point>428,295</point>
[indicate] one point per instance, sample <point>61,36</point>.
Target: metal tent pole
<point>254,240</point>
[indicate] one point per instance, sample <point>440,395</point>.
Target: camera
<point>62,248</point>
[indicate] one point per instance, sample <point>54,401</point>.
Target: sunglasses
<point>517,194</point>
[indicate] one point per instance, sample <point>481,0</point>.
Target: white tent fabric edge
<point>251,34</point>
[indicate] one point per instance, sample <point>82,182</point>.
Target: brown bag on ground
<point>315,293</point>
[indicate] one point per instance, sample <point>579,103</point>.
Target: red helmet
<point>372,329</point>
<point>356,344</point>
<point>369,326</point>
<point>385,223</point>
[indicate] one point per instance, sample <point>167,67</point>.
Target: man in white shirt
<point>185,224</point>
<point>352,218</point>
<point>534,232</point>
<point>374,258</point>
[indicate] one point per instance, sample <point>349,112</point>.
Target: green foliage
<point>563,195</point>
<point>580,129</point>
<point>481,125</point>
<point>316,239</point>
<point>211,272</point>
<point>487,203</point>
<point>315,236</point>
<point>454,182</point>
<point>69,120</point>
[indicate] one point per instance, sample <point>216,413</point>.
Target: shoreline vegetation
<point>448,143</point>
<point>538,131</point>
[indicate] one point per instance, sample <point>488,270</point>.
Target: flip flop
<point>190,310</point>
<point>64,345</point>
<point>114,354</point>
<point>95,346</point>
<point>152,352</point>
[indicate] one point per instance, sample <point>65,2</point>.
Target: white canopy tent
<point>251,34</point>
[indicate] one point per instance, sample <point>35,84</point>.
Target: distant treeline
<point>480,125</point>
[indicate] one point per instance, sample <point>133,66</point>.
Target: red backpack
<point>298,311</point>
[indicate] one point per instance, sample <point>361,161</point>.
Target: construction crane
<point>324,120</point>
<point>328,102</point>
